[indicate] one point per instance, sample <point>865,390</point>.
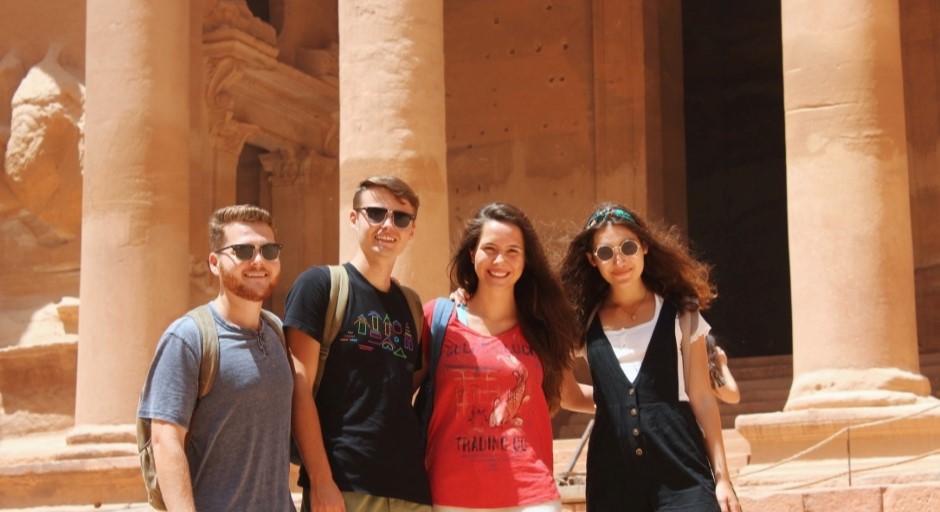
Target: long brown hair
<point>546,318</point>
<point>669,269</point>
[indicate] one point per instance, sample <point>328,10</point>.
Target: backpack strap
<point>278,327</point>
<point>688,324</point>
<point>335,313</point>
<point>443,308</point>
<point>275,324</point>
<point>208,366</point>
<point>417,311</point>
<point>424,404</point>
<point>209,338</point>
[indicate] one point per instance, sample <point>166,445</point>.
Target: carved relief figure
<point>42,161</point>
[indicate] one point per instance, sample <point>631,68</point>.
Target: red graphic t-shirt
<point>490,436</point>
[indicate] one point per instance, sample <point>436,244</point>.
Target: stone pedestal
<point>842,447</point>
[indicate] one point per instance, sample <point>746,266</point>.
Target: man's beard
<point>231,282</point>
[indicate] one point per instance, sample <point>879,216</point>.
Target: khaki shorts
<point>357,502</point>
<point>549,506</point>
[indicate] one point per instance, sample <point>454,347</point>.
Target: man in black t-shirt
<point>359,437</point>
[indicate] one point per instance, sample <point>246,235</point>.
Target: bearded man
<point>229,449</point>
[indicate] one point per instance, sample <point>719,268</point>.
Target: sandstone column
<point>135,235</point>
<point>857,401</point>
<point>852,276</point>
<point>391,56</point>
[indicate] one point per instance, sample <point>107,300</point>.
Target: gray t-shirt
<point>238,443</point>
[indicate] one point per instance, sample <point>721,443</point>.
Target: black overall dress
<point>646,452</point>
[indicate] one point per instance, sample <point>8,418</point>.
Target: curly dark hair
<point>545,316</point>
<point>669,268</point>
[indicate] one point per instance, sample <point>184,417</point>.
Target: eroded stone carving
<point>285,167</point>
<point>222,14</point>
<point>229,135</point>
<point>42,160</point>
<point>320,63</point>
<point>12,72</point>
<point>220,74</point>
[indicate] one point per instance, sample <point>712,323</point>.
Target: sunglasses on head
<point>246,252</point>
<point>607,214</point>
<point>377,215</point>
<point>627,248</point>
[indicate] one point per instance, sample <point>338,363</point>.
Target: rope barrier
<point>846,430</point>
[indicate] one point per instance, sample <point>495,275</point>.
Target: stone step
<point>764,382</point>
<point>37,387</point>
<point>772,371</point>
<point>760,361</point>
<point>767,394</point>
<point>730,413</point>
<point>737,450</point>
<point>772,383</point>
<point>59,469</point>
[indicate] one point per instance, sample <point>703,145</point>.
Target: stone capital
<point>285,167</point>
<point>229,136</point>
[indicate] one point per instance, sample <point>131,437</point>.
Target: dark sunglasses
<point>377,215</point>
<point>246,252</point>
<point>627,248</point>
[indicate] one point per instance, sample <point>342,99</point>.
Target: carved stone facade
<point>552,106</point>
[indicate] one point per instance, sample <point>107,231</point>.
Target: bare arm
<point>172,466</point>
<point>705,408</point>
<point>325,496</point>
<point>729,393</point>
<point>576,396</point>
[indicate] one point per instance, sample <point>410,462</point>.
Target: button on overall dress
<point>646,451</point>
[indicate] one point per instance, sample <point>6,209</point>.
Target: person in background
<point>228,450</point>
<point>504,367</point>
<point>723,383</point>
<point>656,444</point>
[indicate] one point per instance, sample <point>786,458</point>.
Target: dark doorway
<point>261,9</point>
<point>736,165</point>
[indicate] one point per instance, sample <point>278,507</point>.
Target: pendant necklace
<point>638,305</point>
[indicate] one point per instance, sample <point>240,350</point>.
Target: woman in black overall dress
<point>656,443</point>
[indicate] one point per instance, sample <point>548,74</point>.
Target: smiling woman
<point>504,365</point>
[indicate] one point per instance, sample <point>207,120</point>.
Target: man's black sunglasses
<point>246,252</point>
<point>377,215</point>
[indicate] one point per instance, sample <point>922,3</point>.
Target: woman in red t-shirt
<point>504,365</point>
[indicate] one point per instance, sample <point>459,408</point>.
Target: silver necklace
<point>637,308</point>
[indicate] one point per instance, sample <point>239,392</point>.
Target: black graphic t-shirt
<point>370,430</point>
